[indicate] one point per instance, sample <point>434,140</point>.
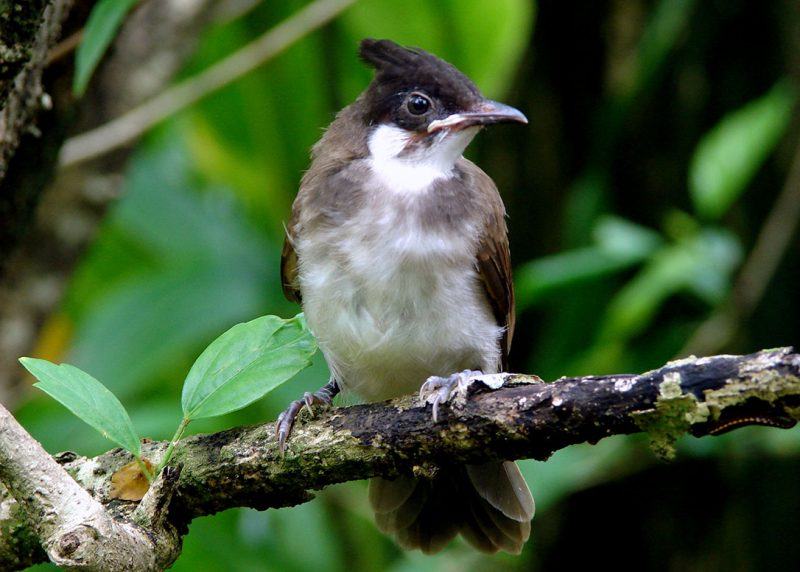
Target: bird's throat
<point>409,163</point>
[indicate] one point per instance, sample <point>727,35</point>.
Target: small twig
<point>134,123</point>
<point>171,447</point>
<point>771,244</point>
<point>65,47</point>
<point>233,9</point>
<point>145,471</point>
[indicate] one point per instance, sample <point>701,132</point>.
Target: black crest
<point>400,70</point>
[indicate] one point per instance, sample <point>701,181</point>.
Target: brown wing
<point>291,288</point>
<point>494,261</point>
<point>343,142</point>
<point>325,195</point>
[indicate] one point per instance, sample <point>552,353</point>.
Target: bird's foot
<point>313,402</point>
<point>437,390</point>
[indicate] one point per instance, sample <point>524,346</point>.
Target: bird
<point>397,249</point>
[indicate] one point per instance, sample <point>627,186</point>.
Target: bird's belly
<point>388,320</point>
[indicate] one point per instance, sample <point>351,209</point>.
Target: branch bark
<point>523,419</point>
<point>74,528</point>
<point>28,30</point>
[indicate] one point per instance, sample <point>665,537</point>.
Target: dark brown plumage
<point>428,514</point>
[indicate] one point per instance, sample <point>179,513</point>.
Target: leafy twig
<point>171,447</point>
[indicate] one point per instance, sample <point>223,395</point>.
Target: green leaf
<point>87,398</point>
<point>102,26</point>
<point>731,153</point>
<point>701,264</point>
<point>664,29</point>
<point>619,244</point>
<point>245,363</point>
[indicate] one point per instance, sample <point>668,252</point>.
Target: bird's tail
<point>489,504</point>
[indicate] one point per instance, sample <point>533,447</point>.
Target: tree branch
<point>74,528</point>
<point>523,419</point>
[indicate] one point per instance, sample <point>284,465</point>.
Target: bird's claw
<point>285,422</point>
<point>310,401</point>
<point>437,390</point>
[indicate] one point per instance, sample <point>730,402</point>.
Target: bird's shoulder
<point>484,189</point>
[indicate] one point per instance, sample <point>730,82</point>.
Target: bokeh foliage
<point>656,147</point>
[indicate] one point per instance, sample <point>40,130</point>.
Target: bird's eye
<point>418,104</point>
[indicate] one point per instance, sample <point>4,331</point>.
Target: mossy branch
<point>524,419</point>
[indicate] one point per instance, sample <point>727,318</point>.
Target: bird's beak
<point>485,113</point>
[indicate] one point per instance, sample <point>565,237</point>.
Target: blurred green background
<point>661,137</point>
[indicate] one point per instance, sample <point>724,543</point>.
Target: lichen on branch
<point>523,419</point>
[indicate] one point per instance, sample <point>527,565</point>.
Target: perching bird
<point>397,249</point>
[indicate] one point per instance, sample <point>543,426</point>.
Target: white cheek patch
<point>413,172</point>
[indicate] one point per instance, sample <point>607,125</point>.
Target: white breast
<point>393,301</point>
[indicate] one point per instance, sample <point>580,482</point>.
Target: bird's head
<point>420,106</point>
